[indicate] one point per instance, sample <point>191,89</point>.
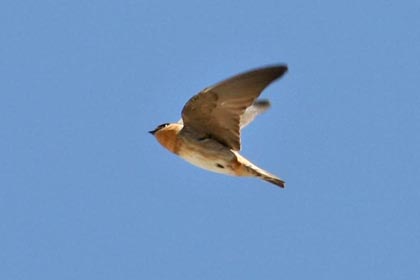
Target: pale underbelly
<point>218,165</point>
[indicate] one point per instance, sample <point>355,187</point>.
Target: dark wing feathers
<point>216,111</point>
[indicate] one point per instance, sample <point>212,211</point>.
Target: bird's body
<point>209,134</point>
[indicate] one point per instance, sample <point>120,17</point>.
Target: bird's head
<point>159,128</point>
<point>166,134</point>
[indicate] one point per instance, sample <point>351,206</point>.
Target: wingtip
<point>283,68</point>
<point>262,103</point>
<point>280,66</point>
<point>277,69</point>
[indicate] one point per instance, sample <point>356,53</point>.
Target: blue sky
<point>87,193</point>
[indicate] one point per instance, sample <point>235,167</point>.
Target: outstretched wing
<point>216,111</point>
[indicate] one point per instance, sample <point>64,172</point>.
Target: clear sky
<point>87,193</point>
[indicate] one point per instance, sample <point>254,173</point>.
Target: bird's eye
<point>163,125</point>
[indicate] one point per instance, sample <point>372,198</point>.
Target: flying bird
<point>209,133</point>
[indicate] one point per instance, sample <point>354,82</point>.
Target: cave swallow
<point>208,135</point>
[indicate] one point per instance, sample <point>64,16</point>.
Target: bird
<point>209,133</point>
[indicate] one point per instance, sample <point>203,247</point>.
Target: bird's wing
<point>216,111</point>
<point>258,107</point>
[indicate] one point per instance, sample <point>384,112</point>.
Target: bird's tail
<point>274,180</point>
<point>250,169</point>
<point>266,176</point>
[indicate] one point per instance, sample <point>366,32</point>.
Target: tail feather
<point>274,180</point>
<point>246,168</point>
<point>266,176</point>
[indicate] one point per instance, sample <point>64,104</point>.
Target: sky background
<point>87,193</point>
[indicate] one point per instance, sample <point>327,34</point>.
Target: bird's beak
<point>152,132</point>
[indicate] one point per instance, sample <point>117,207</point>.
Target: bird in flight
<point>209,133</point>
